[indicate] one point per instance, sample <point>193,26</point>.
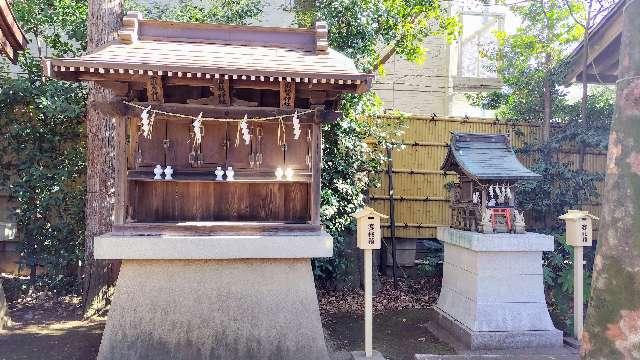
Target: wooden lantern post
<point>368,233</point>
<point>579,235</point>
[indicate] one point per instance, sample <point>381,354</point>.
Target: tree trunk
<point>105,18</point>
<point>4,315</point>
<point>546,124</point>
<point>613,317</point>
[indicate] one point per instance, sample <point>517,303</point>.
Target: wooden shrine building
<point>484,198</point>
<point>224,73</point>
<point>221,184</point>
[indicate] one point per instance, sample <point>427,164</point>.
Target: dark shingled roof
<point>485,157</point>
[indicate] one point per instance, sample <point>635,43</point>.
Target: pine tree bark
<point>105,18</point>
<point>613,317</point>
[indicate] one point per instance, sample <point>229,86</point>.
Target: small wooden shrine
<point>484,198</point>
<point>205,98</point>
<point>220,207</point>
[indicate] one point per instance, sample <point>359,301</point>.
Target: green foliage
<point>61,25</point>
<point>239,12</point>
<point>558,280</point>
<point>430,265</point>
<point>355,148</point>
<point>359,28</point>
<point>42,132</point>
<point>353,155</point>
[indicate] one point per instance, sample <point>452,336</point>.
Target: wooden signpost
<point>368,239</point>
<point>579,235</point>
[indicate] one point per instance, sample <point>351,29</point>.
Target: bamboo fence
<point>421,199</point>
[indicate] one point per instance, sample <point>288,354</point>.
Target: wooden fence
<point>421,199</point>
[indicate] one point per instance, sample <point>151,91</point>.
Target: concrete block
<point>495,242</point>
<point>489,288</point>
<point>493,283</point>
<point>405,252</point>
<point>272,246</point>
<point>214,309</point>
<point>497,340</point>
<point>360,355</point>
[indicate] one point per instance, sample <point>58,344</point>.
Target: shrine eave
<point>12,39</point>
<point>213,51</point>
<point>485,157</point>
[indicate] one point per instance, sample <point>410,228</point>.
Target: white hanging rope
<point>263,119</point>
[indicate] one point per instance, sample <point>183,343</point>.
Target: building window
<point>478,39</point>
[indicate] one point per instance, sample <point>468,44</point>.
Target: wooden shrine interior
<point>194,195</point>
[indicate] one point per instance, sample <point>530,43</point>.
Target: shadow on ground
<point>65,340</point>
<point>398,335</point>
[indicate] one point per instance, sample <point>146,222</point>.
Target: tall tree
<point>103,192</point>
<point>354,150</point>
<point>528,60</point>
<point>613,317</point>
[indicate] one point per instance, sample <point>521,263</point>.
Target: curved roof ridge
<point>485,157</point>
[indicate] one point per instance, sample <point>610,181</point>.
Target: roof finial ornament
<point>322,37</point>
<point>129,32</point>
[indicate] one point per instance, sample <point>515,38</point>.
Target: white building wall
<point>439,84</point>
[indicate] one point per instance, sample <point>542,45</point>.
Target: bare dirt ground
<point>49,327</point>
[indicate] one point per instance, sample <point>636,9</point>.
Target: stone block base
<point>497,340</point>
<point>360,355</point>
<point>214,309</point>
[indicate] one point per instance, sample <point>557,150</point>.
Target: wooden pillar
<point>613,315</point>
<point>316,166</point>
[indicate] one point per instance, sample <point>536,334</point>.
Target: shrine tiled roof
<point>212,50</point>
<point>485,157</point>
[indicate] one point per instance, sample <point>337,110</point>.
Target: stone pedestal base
<point>214,309</point>
<point>492,293</point>
<point>360,355</point>
<point>497,340</point>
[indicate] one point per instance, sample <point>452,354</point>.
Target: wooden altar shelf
<point>210,177</point>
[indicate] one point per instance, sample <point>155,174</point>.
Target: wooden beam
<point>120,89</point>
<point>155,92</point>
<point>287,94</point>
<point>85,76</point>
<point>316,164</point>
